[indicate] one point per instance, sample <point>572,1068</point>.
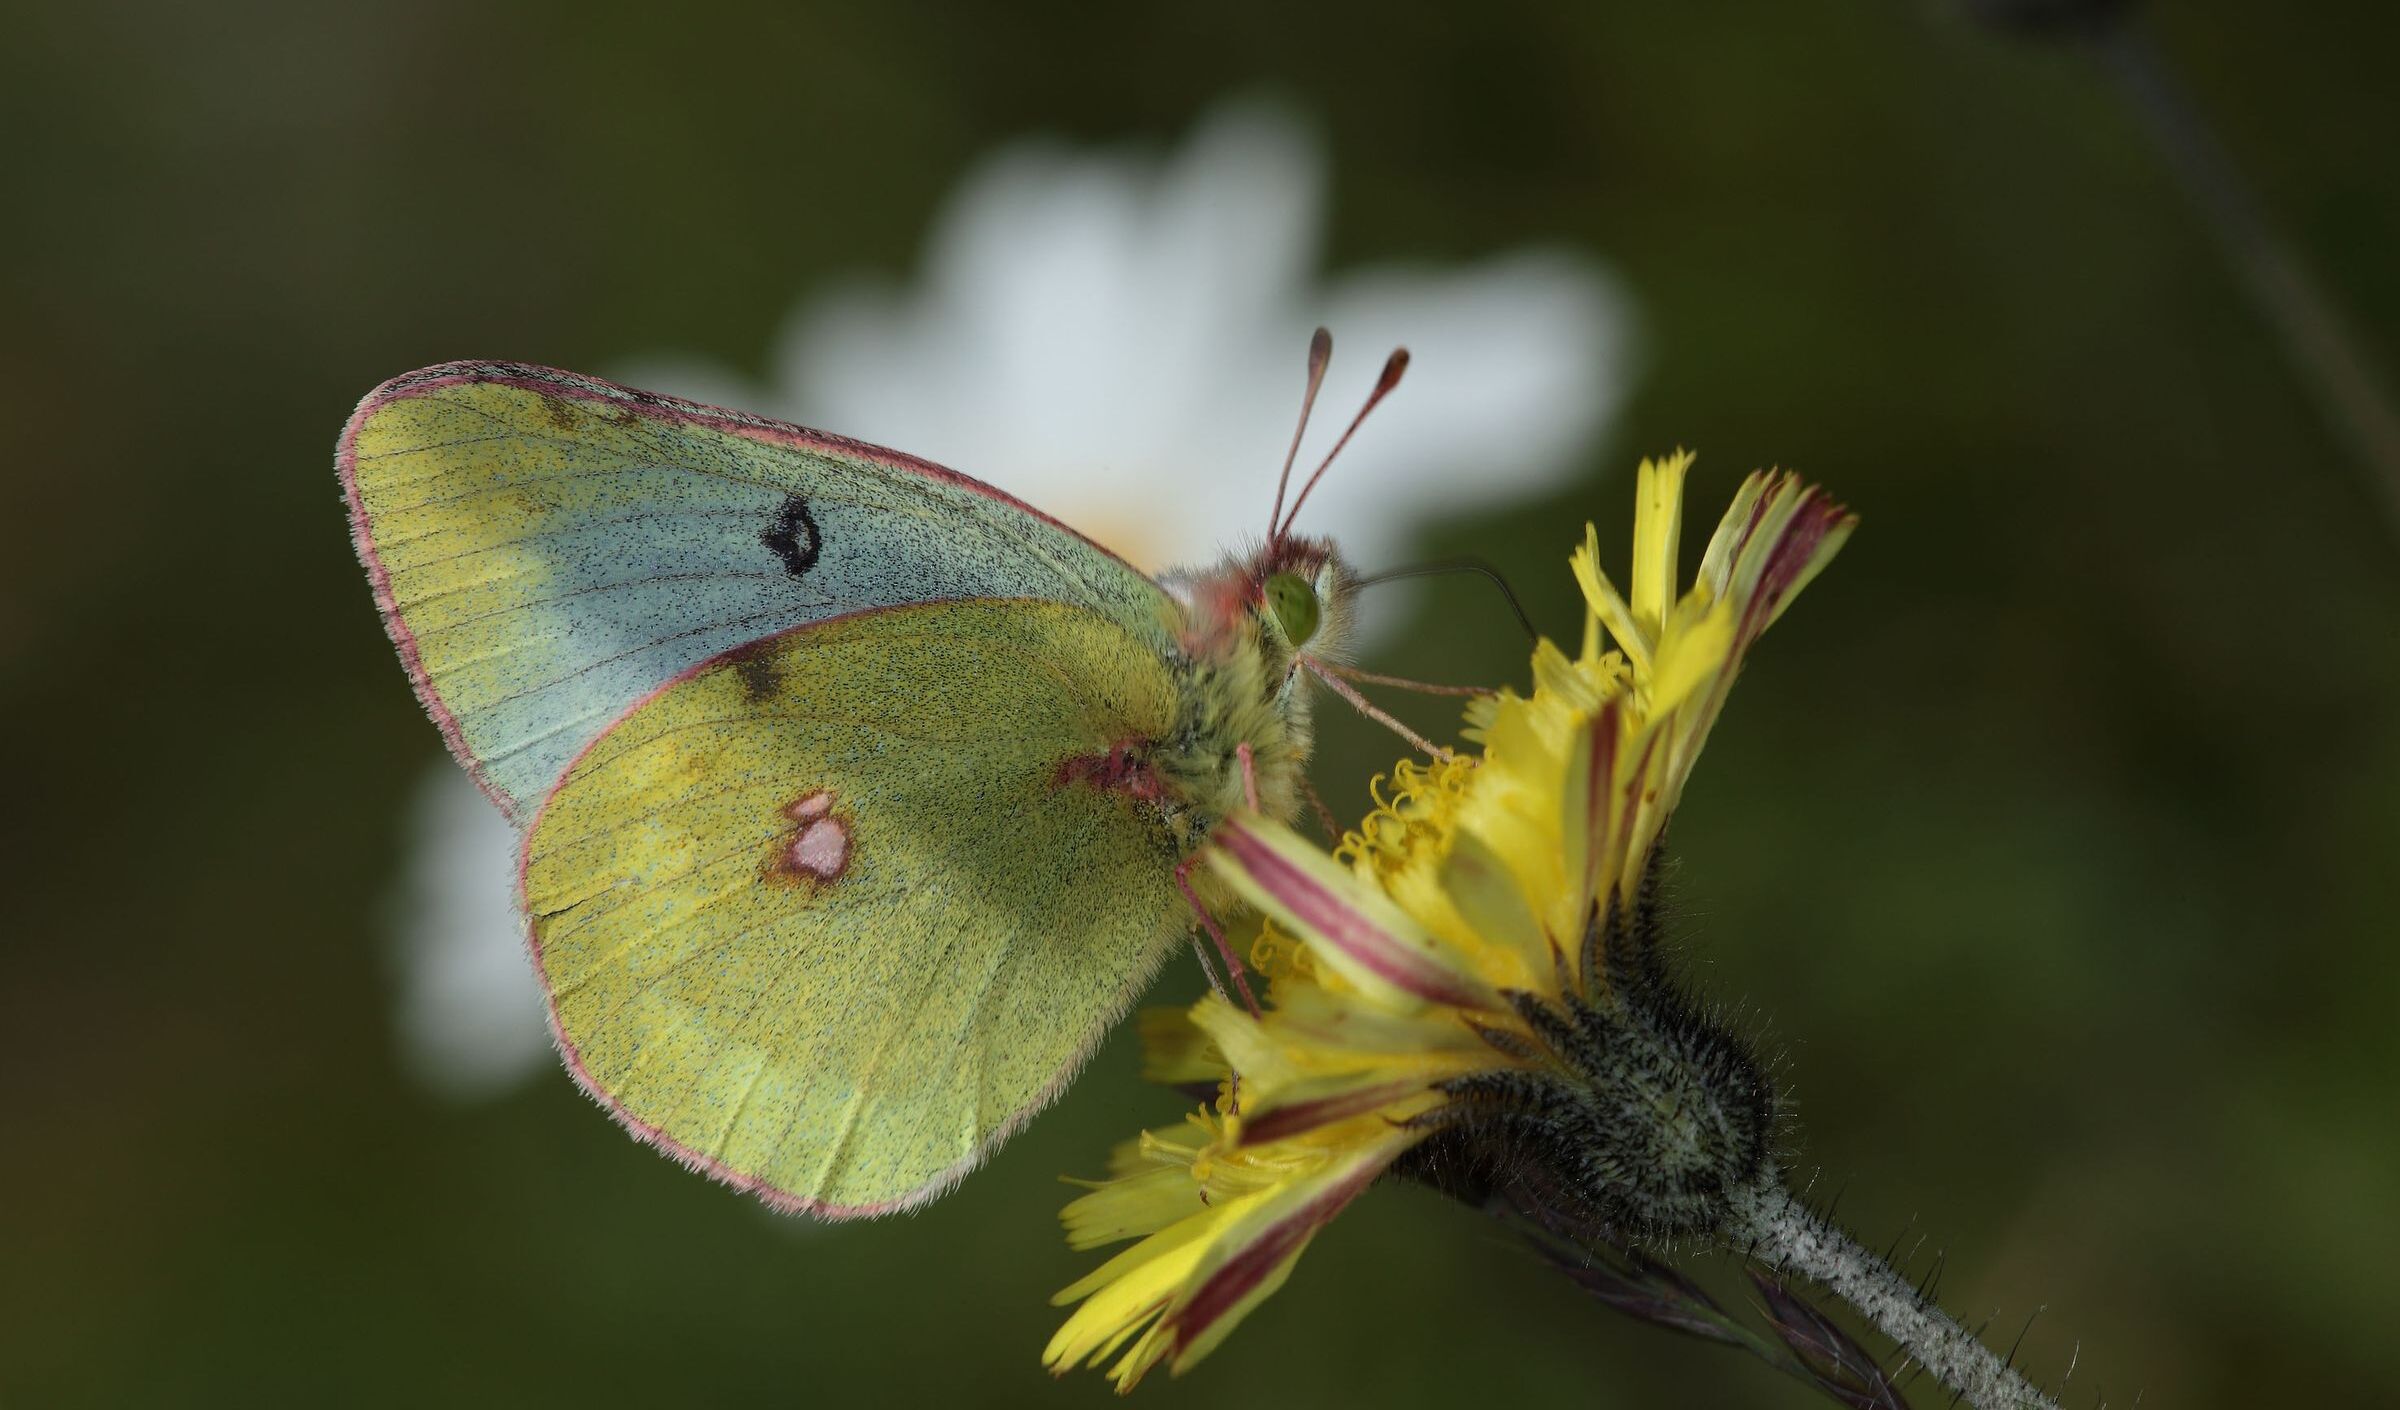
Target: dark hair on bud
<point>1644,1116</point>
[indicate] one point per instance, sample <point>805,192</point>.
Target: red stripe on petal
<point>1339,924</point>
<point>1790,558</point>
<point>1278,1122</point>
<point>1600,783</point>
<point>1276,1245</point>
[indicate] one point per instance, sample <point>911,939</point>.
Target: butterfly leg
<point>1353,673</point>
<point>1249,762</point>
<point>1333,830</point>
<point>1233,963</point>
<point>1208,970</point>
<point>1368,708</point>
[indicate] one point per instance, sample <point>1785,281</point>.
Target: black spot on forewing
<point>793,536</point>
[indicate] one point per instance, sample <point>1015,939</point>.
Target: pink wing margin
<point>550,381</point>
<point>780,1200</point>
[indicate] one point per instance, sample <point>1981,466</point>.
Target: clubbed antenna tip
<point>1320,352</point>
<point>1393,367</point>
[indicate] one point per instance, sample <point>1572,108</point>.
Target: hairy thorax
<point>1234,698</point>
<point>1239,682</point>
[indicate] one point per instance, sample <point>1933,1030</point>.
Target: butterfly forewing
<point>547,548</point>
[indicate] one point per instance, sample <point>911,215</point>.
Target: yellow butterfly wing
<point>548,548</point>
<point>830,915</point>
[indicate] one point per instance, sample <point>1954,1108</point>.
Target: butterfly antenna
<point>1393,366</point>
<point>1320,352</point>
<point>1457,565</point>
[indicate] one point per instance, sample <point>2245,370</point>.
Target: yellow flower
<point>1476,964</point>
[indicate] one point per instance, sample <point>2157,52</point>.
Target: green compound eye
<point>1294,604</point>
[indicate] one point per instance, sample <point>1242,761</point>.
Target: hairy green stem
<point>1785,1234</point>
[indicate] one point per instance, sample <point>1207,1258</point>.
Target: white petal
<point>468,1015</point>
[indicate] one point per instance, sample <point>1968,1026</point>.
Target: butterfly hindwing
<point>830,914</point>
<point>548,548</point>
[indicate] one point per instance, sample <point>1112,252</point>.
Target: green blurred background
<point>2051,841</point>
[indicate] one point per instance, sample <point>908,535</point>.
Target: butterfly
<point>857,798</point>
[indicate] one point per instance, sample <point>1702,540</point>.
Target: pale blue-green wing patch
<point>830,915</point>
<point>548,548</point>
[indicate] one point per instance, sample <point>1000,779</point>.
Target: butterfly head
<point>1299,591</point>
<point>1288,598</point>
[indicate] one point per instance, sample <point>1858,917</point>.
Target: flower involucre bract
<point>1473,972</point>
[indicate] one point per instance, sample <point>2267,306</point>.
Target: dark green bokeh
<point>2051,839</point>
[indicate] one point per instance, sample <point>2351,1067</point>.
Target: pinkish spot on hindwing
<point>818,849</point>
<point>822,849</point>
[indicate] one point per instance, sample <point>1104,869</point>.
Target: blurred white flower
<point>1119,341</point>
<point>469,1011</point>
